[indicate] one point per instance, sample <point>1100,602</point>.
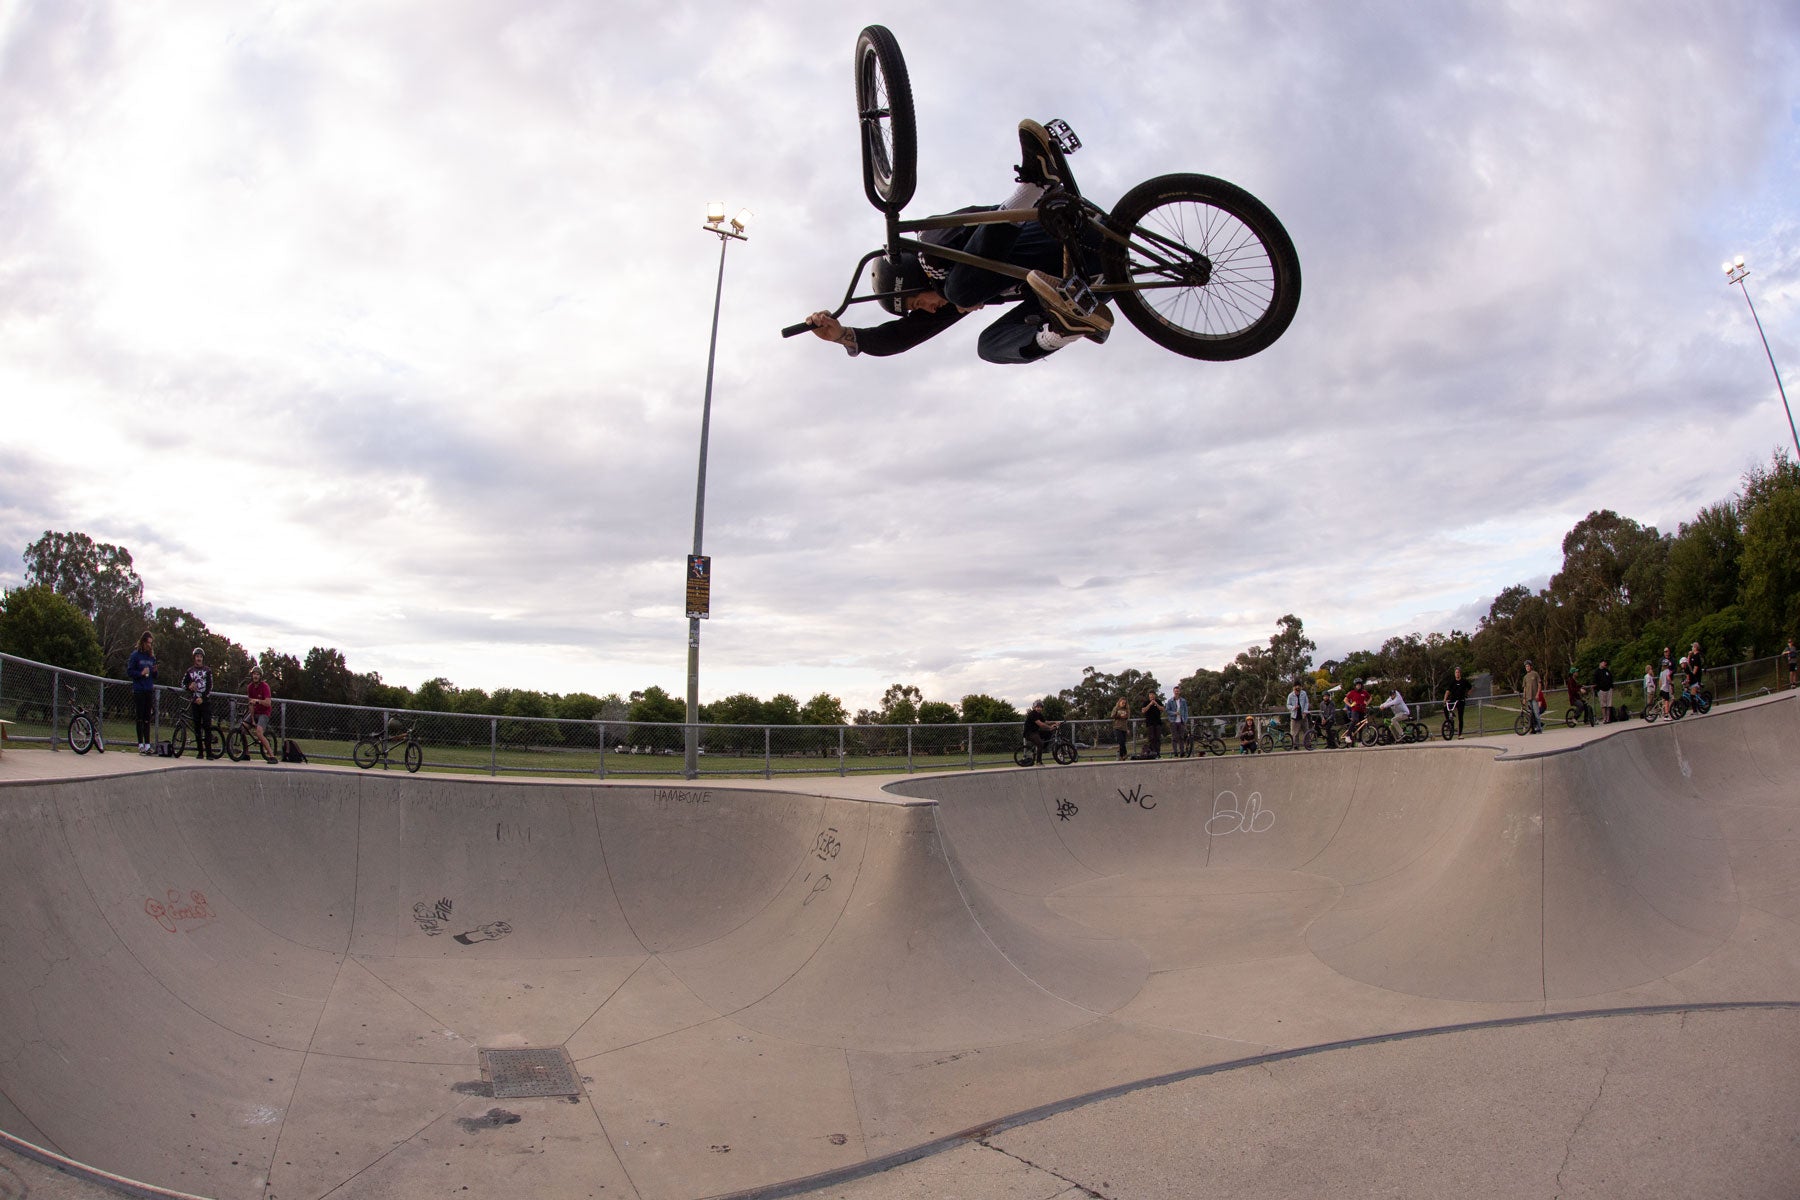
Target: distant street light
<point>699,581</point>
<point>1735,270</point>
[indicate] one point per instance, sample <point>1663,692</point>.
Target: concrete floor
<point>1415,971</point>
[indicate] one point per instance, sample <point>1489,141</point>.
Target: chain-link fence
<point>40,701</point>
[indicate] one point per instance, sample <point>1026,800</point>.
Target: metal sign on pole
<point>699,586</point>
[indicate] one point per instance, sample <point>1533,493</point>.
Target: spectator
<point>1649,687</point>
<point>1298,706</point>
<point>1454,696</point>
<point>1356,702</point>
<point>261,708</point>
<point>1153,725</point>
<point>1121,719</point>
<point>198,684</point>
<point>1179,736</point>
<point>141,670</point>
<point>1603,690</point>
<point>1576,691</point>
<point>1247,735</point>
<point>1395,706</point>
<point>1665,687</point>
<point>1793,657</point>
<point>1328,718</point>
<point>1528,692</point>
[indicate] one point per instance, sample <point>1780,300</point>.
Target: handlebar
<point>793,330</point>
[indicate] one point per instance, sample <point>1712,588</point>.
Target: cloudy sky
<point>384,326</point>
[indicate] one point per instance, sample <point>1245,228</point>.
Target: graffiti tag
<point>1066,810</point>
<point>175,908</point>
<point>1228,819</point>
<point>1137,796</point>
<point>827,846</point>
<point>667,796</point>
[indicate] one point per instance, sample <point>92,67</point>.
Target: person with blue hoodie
<point>141,670</point>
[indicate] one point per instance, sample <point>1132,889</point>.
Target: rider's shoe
<point>1066,312</point>
<point>1037,158</point>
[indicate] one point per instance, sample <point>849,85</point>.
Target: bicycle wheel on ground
<point>81,734</point>
<point>1215,744</point>
<point>415,756</point>
<point>178,739</point>
<point>1651,711</point>
<point>1522,724</point>
<point>1678,708</point>
<point>1066,753</point>
<point>1416,732</point>
<point>884,115</point>
<point>237,746</point>
<point>364,754</point>
<point>1207,269</point>
<point>1447,730</point>
<point>1704,701</point>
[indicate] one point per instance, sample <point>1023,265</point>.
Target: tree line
<point>1729,579</point>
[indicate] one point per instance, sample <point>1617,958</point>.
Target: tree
<point>980,709</point>
<point>1771,565</point>
<point>900,704</point>
<point>1092,698</point>
<point>39,624</point>
<point>1703,574</point>
<point>325,678</point>
<point>435,695</point>
<point>940,740</point>
<point>1290,651</point>
<point>653,705</point>
<point>99,580</point>
<point>179,633</point>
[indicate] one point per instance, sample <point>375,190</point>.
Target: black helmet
<point>897,277</point>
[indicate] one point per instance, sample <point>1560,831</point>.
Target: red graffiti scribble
<point>176,908</point>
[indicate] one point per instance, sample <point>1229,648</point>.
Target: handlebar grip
<point>791,330</point>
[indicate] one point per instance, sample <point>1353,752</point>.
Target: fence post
<point>970,730</point>
<point>768,765</point>
<point>55,706</point>
<point>600,727</point>
<point>843,766</point>
<point>493,745</point>
<point>100,718</point>
<point>909,750</point>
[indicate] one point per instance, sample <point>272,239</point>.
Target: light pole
<point>699,577</point>
<point>1735,270</point>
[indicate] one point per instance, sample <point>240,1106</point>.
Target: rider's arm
<point>899,335</point>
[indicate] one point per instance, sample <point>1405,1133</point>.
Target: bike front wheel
<point>1522,724</point>
<point>415,756</point>
<point>884,115</point>
<point>1447,730</point>
<point>364,754</point>
<point>1203,266</point>
<point>1679,708</point>
<point>1065,753</point>
<point>237,746</point>
<point>178,739</point>
<point>81,734</point>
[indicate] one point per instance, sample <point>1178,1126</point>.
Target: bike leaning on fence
<point>83,735</point>
<point>378,748</point>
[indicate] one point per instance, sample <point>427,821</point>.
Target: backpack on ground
<point>291,752</point>
<point>163,749</point>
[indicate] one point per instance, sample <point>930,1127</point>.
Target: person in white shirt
<point>1396,708</point>
<point>1298,705</point>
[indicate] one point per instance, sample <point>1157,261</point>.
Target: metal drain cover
<point>514,1073</point>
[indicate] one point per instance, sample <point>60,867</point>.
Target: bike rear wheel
<point>415,756</point>
<point>364,753</point>
<point>81,734</point>
<point>1209,271</point>
<point>1215,744</point>
<point>884,115</point>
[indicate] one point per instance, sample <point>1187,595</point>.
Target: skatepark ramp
<point>240,981</point>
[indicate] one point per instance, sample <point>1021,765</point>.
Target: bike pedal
<point>1062,135</point>
<point>1075,289</point>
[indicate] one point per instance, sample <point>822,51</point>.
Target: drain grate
<point>514,1073</point>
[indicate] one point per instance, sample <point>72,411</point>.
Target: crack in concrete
<point>1569,1147</point>
<point>1079,1189</point>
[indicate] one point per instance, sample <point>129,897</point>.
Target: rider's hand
<point>826,326</point>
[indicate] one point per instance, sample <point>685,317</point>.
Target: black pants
<point>144,702</point>
<point>1121,736</point>
<point>202,716</point>
<point>1458,710</point>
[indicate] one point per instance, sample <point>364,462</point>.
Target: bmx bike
<point>239,741</point>
<point>1058,744</point>
<point>1199,265</point>
<point>379,748</point>
<point>82,733</point>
